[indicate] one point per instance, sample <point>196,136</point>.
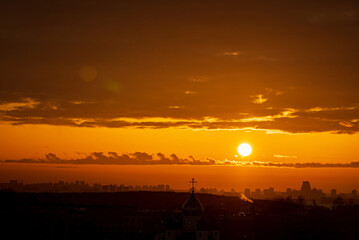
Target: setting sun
<point>244,149</point>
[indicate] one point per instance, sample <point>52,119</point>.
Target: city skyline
<point>305,191</point>
<point>237,177</point>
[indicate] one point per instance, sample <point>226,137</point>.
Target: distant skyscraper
<point>333,193</point>
<point>306,190</point>
<point>257,194</point>
<point>354,194</point>
<point>247,192</point>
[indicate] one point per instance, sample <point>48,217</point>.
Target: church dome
<point>192,207</point>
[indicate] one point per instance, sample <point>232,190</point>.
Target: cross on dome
<point>193,182</point>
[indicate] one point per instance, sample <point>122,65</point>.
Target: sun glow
<point>244,149</point>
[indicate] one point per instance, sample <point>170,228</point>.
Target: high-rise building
<point>257,194</point>
<point>333,193</point>
<point>306,190</point>
<point>354,194</point>
<point>247,192</point>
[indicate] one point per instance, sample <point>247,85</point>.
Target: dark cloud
<point>285,120</point>
<point>306,165</point>
<point>93,63</point>
<point>141,158</point>
<point>137,158</point>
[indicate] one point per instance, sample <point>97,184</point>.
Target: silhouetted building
<point>193,225</point>
<point>306,190</point>
<point>317,194</point>
<point>257,194</point>
<point>247,192</point>
<point>268,193</point>
<point>333,193</point>
<point>354,194</point>
<point>289,192</point>
<point>192,211</point>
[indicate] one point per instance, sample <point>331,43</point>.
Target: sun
<point>244,149</point>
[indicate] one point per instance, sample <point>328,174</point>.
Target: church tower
<point>192,211</point>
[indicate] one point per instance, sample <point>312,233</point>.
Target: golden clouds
<point>347,124</point>
<point>142,158</point>
<point>188,92</point>
<point>283,156</point>
<point>259,99</point>
<point>240,75</point>
<point>235,53</point>
<point>22,104</point>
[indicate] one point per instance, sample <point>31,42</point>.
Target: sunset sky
<point>150,92</point>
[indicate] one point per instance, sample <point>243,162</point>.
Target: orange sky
<point>178,85</point>
<point>68,142</point>
<point>36,141</point>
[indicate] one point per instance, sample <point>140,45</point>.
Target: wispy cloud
<point>302,165</point>
<point>175,107</point>
<point>233,53</point>
<point>102,78</point>
<point>264,97</point>
<point>113,158</point>
<point>24,103</point>
<point>287,113</point>
<point>188,92</point>
<point>322,109</point>
<point>76,102</point>
<point>283,156</point>
<point>142,158</point>
<point>287,120</point>
<point>346,124</point>
<point>259,99</point>
<point>248,56</point>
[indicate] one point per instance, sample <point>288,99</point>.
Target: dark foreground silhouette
<point>163,215</point>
